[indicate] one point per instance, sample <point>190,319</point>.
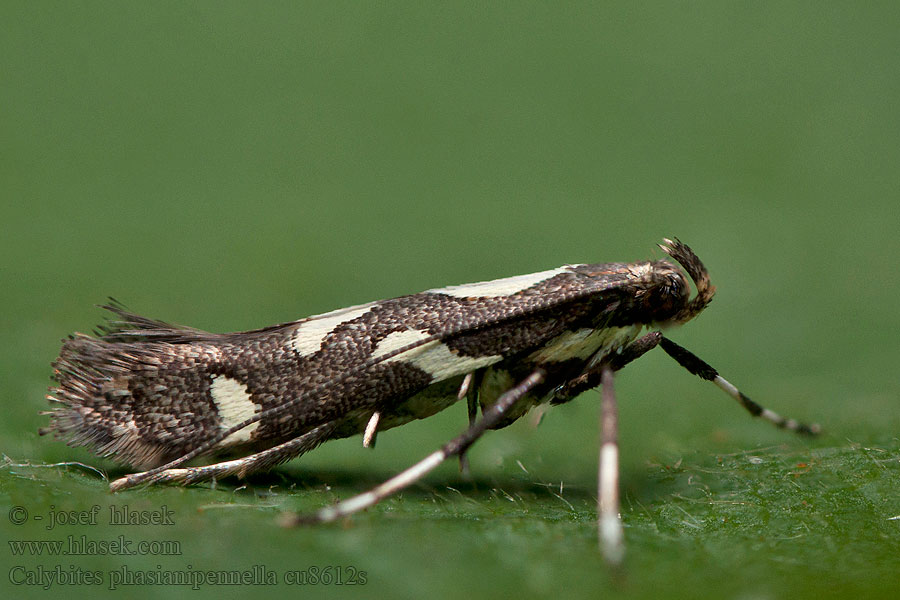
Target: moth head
<point>698,273</point>
<point>661,293</point>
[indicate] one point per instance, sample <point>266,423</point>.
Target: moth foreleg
<point>454,447</point>
<point>240,466</point>
<point>609,524</point>
<point>591,378</point>
<point>703,370</point>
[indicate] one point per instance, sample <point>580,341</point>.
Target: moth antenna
<point>682,253</point>
<point>241,466</point>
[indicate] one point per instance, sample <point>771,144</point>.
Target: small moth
<point>154,396</point>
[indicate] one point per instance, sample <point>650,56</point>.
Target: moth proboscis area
<point>154,396</point>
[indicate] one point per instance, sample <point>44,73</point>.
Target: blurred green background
<point>233,165</point>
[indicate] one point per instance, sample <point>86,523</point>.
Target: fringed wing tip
<point>90,372</point>
<point>125,326</point>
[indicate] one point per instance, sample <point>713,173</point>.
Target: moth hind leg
<point>241,467</point>
<point>454,447</point>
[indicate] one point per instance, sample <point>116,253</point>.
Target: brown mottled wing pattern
<point>144,392</point>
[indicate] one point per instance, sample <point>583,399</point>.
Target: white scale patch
<point>499,287</point>
<point>584,343</point>
<point>434,357</point>
<point>312,332</point>
<point>235,406</point>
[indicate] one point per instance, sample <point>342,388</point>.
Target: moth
<point>153,395</point>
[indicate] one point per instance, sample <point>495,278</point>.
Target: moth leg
<point>239,466</point>
<point>472,397</point>
<point>452,448</point>
<point>592,377</point>
<point>609,525</point>
<point>692,363</point>
<point>371,430</point>
<point>469,390</point>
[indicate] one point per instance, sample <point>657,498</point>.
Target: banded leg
<point>240,466</point>
<point>609,525</point>
<point>692,363</point>
<point>610,532</point>
<point>452,448</point>
<point>591,379</point>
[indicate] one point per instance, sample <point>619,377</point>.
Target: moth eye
<point>664,301</point>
